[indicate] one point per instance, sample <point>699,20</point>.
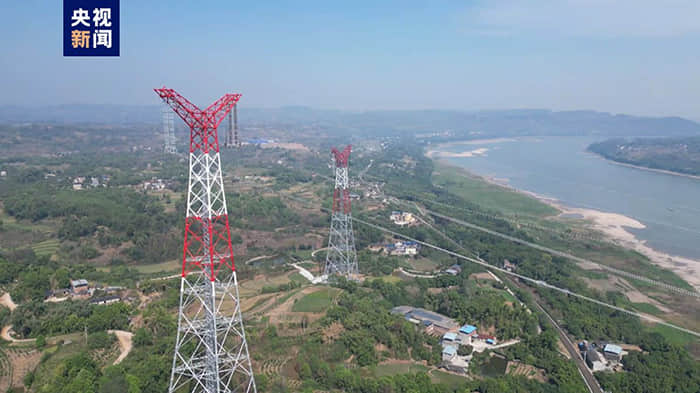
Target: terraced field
<point>5,372</point>
<point>317,301</point>
<point>23,361</point>
<point>46,248</point>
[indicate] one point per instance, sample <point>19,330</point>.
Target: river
<point>560,168</point>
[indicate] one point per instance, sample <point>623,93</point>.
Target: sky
<point>637,57</point>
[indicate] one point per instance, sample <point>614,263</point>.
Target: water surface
<point>560,168</point>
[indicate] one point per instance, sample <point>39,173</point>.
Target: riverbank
<point>616,227</point>
<point>437,151</point>
<point>644,168</point>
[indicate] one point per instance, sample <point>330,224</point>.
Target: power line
<point>613,270</point>
<point>520,276</point>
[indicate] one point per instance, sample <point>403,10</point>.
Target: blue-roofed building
<point>467,329</point>
<point>448,353</point>
<point>490,341</point>
<point>449,337</point>
<point>466,332</point>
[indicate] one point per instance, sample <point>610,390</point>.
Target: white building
<point>402,218</point>
<point>402,248</point>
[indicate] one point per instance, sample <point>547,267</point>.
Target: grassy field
<point>398,368</point>
<point>163,267</point>
<point>390,278</point>
<point>297,277</point>
<point>451,380</point>
<point>422,264</point>
<point>487,195</point>
<point>674,336</point>
<point>315,302</point>
<point>647,308</point>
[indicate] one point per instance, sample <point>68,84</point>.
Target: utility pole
<point>211,351</point>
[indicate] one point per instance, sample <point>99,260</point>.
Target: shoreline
<point>436,151</point>
<point>644,168</point>
<point>612,225</point>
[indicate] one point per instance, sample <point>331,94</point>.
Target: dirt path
<point>6,300</point>
<point>125,343</point>
<point>5,334</point>
<point>313,253</point>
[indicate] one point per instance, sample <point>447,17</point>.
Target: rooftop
<point>424,315</point>
<point>449,350</point>
<point>450,336</point>
<point>78,283</point>
<point>612,348</point>
<point>467,329</point>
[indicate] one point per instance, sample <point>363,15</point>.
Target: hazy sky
<point>629,56</point>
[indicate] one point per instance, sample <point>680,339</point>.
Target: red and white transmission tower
<point>211,351</point>
<point>341,258</point>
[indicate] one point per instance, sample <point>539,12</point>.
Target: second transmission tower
<point>341,258</point>
<point>168,129</point>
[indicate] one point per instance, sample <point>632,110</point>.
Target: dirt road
<point>5,334</point>
<point>6,300</point>
<point>125,343</point>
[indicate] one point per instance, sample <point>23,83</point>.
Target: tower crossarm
<point>217,111</point>
<point>341,158</point>
<point>188,111</point>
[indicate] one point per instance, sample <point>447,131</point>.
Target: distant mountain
<point>449,124</point>
<point>71,114</point>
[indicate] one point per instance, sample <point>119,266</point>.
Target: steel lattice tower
<point>232,139</point>
<point>211,351</point>
<point>341,258</point>
<point>168,129</point>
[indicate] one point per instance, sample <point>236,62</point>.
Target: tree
<point>465,350</point>
<point>142,337</point>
